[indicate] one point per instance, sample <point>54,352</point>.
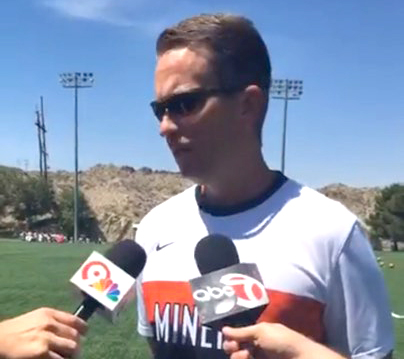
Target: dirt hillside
<point>121,196</point>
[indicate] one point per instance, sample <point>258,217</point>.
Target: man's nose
<point>167,125</point>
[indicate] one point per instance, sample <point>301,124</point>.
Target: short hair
<point>240,56</point>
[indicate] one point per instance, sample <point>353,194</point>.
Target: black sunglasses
<point>184,103</point>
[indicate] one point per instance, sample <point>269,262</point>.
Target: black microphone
<point>107,281</point>
<point>215,252</point>
<point>228,292</point>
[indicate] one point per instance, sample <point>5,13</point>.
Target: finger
<point>240,334</point>
<point>230,346</point>
<point>62,346</point>
<point>53,355</point>
<point>241,354</point>
<point>64,331</point>
<point>71,321</point>
<point>249,348</point>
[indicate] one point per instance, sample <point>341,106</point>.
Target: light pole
<point>286,90</point>
<point>76,80</point>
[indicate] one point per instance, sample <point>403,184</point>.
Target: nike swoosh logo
<point>158,248</point>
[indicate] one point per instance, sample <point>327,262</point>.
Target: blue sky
<point>348,127</point>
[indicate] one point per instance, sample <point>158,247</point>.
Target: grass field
<point>35,274</point>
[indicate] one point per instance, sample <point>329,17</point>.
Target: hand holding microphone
<point>230,293</point>
<point>43,333</point>
<point>272,341</point>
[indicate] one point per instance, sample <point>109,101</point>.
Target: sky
<point>348,127</point>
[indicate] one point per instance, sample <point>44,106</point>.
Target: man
<point>212,83</point>
<point>272,341</point>
<point>43,333</point>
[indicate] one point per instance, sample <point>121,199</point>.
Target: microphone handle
<point>87,308</point>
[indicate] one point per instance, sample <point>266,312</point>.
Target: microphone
<point>107,282</point>
<point>215,252</point>
<point>228,292</point>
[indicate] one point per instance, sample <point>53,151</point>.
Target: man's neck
<point>236,187</point>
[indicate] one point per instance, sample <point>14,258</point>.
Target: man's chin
<point>189,175</point>
<point>192,174</point>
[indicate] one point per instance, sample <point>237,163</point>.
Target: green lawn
<point>394,279</point>
<point>35,274</point>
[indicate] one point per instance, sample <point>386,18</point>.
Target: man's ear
<point>254,104</point>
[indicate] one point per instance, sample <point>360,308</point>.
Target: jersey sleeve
<point>358,316</point>
<point>143,326</point>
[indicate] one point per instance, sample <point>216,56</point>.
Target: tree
<point>388,218</point>
<point>66,213</point>
<point>8,178</point>
<point>4,198</point>
<point>32,196</point>
<point>23,195</point>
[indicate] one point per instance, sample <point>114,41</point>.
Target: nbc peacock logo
<point>98,274</point>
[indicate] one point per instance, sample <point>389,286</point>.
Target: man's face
<point>201,128</point>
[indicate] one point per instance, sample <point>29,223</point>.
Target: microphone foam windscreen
<point>215,252</point>
<point>129,256</point>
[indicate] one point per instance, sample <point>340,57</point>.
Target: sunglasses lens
<point>184,104</point>
<point>158,109</point>
<point>178,105</point>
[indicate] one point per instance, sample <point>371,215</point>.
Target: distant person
<point>29,237</point>
<point>41,334</point>
<point>212,84</point>
<point>48,238</point>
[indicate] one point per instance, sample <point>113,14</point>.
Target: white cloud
<point>146,16</point>
<point>87,9</point>
<point>116,12</point>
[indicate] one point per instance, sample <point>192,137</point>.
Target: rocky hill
<point>121,196</point>
<point>359,200</point>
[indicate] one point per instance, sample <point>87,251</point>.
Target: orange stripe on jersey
<point>163,292</point>
<point>302,314</point>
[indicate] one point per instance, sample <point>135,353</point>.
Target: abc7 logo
<point>238,289</point>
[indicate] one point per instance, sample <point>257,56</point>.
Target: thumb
<point>246,334</point>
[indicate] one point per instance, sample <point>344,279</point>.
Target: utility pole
<point>44,151</point>
<point>38,125</point>
<point>43,154</point>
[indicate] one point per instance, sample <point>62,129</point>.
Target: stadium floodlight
<point>76,80</point>
<point>286,90</point>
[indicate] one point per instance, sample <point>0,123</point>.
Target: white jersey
<point>316,263</point>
